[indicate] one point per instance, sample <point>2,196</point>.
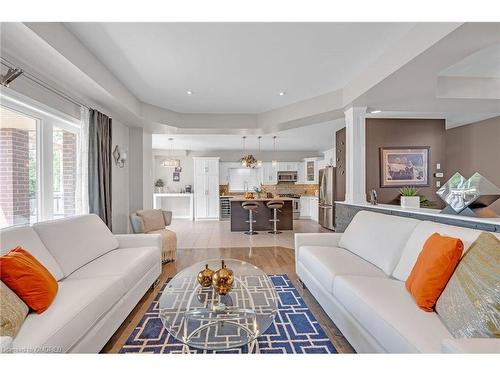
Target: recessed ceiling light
<point>282,93</point>
<point>189,92</point>
<point>376,111</point>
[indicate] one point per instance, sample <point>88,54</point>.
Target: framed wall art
<point>404,166</point>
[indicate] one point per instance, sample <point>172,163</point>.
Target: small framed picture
<point>178,169</point>
<point>403,166</point>
<point>177,176</point>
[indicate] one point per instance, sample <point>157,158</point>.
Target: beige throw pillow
<point>153,219</point>
<point>470,304</point>
<point>13,311</point>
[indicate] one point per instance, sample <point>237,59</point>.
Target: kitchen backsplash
<point>282,188</point>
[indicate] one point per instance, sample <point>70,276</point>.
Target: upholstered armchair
<point>155,221</point>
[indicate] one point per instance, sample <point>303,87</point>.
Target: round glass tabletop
<point>193,315</point>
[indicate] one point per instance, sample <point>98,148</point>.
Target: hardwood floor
<point>272,260</point>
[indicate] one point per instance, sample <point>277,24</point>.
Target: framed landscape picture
<point>404,166</point>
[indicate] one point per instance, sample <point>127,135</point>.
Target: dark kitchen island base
<point>239,216</point>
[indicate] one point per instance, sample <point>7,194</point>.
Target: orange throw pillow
<point>434,267</point>
<point>28,278</point>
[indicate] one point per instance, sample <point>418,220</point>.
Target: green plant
<point>424,202</point>
<point>409,191</point>
<point>159,183</point>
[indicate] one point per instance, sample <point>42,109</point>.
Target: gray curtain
<point>100,165</point>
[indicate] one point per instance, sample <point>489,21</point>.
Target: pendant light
<point>247,161</point>
<point>170,162</point>
<point>243,159</point>
<point>274,162</point>
<point>259,162</point>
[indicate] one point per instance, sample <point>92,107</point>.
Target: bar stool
<point>275,205</point>
<point>250,206</point>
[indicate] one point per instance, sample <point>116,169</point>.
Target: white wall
<point>135,162</point>
<point>147,170</point>
<point>120,181</point>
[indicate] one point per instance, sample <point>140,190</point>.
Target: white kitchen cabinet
<point>301,173</point>
<point>314,210</point>
<point>288,166</point>
<point>329,157</point>
<point>305,207</point>
<point>206,188</point>
<point>269,173</point>
<point>310,170</point>
<point>320,164</point>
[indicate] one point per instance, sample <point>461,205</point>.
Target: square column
<point>355,155</point>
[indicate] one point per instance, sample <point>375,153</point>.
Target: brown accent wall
<point>475,148</point>
<point>340,160</point>
<point>404,132</point>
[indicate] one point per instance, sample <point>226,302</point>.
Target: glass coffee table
<point>199,318</point>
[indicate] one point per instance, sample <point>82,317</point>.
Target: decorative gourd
<point>222,280</point>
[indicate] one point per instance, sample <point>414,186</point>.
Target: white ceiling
<point>235,67</point>
<point>314,137</point>
<point>482,64</point>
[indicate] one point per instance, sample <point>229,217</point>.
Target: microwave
<point>287,176</point>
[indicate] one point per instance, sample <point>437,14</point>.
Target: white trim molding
<point>355,119</point>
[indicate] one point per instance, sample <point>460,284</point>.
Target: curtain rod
<point>42,83</point>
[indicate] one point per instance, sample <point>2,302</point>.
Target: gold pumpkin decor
<point>205,277</point>
<point>222,280</point>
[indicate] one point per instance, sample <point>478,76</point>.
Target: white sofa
<point>101,278</point>
<point>358,278</point>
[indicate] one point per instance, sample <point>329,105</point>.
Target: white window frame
<point>47,118</point>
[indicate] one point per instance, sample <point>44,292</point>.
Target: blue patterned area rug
<point>295,329</point>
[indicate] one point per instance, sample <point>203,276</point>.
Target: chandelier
<point>171,162</point>
<point>247,161</point>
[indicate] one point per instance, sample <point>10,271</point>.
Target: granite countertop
<point>241,199</point>
<point>426,211</point>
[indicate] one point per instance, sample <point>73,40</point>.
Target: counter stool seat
<point>275,205</point>
<point>250,206</point>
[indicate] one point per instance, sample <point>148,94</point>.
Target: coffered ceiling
<point>235,67</point>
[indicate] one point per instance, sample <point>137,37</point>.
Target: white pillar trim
<point>355,155</point>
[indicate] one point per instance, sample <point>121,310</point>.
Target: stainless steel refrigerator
<point>326,212</point>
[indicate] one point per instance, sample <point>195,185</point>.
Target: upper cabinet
<point>206,166</point>
<point>310,170</point>
<point>269,173</point>
<point>329,157</point>
<point>301,173</point>
<point>288,166</point>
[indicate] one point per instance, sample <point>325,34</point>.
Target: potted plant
<point>258,190</point>
<point>409,197</point>
<point>159,185</point>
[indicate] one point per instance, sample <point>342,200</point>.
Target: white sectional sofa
<point>101,278</point>
<point>358,278</point>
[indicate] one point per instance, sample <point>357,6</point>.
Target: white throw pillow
<point>417,239</point>
<point>28,239</point>
<point>378,238</point>
<point>76,240</point>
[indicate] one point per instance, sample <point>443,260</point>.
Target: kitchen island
<point>239,216</point>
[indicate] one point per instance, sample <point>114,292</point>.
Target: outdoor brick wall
<point>69,172</point>
<point>14,175</point>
